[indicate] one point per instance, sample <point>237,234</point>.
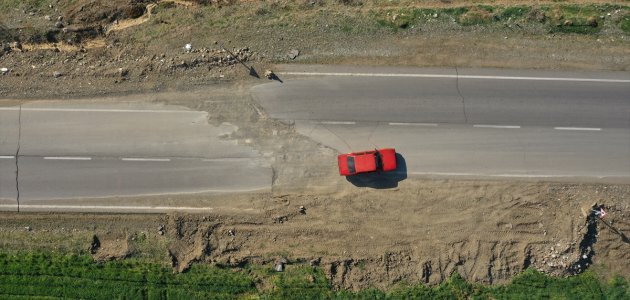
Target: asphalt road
<point>74,151</point>
<point>473,123</point>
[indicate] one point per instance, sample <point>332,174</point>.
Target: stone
<point>59,24</point>
<point>4,70</point>
<point>57,74</point>
<point>293,53</point>
<point>48,18</point>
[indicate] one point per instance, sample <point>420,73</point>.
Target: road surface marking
<point>228,159</point>
<point>458,76</point>
<point>498,126</point>
<point>7,156</point>
<point>144,159</point>
<point>578,128</point>
<point>67,158</point>
<point>337,123</point>
<point>102,110</point>
<point>105,208</point>
<point>502,175</point>
<point>412,124</point>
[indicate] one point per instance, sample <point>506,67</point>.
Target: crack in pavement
<point>17,155</point>
<point>460,95</point>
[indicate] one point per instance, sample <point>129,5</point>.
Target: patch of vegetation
<point>476,16</point>
<point>39,275</point>
<point>625,24</point>
<point>514,12</point>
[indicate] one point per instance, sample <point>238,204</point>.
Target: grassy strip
<point>39,276</point>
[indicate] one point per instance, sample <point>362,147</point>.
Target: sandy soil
<point>421,231</point>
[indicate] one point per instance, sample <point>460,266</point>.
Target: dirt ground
<point>421,231</point>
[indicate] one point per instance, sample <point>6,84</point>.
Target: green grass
<point>39,276</point>
<point>625,24</point>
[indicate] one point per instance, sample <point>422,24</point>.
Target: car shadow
<point>382,180</point>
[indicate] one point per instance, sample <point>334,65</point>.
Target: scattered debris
<point>231,232</point>
<point>302,209</point>
<point>270,74</point>
<point>280,219</point>
<point>294,53</point>
<point>279,265</point>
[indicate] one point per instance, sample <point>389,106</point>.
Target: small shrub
<point>625,24</point>
<point>476,16</point>
<point>514,12</point>
<point>537,15</point>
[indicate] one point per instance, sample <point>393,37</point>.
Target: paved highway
<point>473,123</point>
<point>99,150</point>
<point>444,122</point>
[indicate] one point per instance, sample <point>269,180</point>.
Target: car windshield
<point>379,161</point>
<point>351,168</point>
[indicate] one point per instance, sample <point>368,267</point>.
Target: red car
<point>367,161</point>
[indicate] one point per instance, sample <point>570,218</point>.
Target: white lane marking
<point>7,156</point>
<point>113,207</point>
<point>144,159</point>
<point>228,159</point>
<point>337,123</point>
<point>498,126</point>
<point>412,124</point>
<point>578,128</point>
<point>67,158</point>
<point>102,110</point>
<point>456,76</point>
<point>502,175</point>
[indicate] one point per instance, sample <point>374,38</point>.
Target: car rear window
<point>351,168</point>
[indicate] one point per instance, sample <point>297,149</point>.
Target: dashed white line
<point>227,159</point>
<point>144,159</point>
<point>578,128</point>
<point>412,124</point>
<point>497,126</point>
<point>456,76</point>
<point>337,123</point>
<point>67,158</point>
<point>7,156</point>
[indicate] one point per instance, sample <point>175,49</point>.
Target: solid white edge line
<point>578,128</point>
<point>500,175</point>
<point>104,207</point>
<point>456,76</point>
<point>102,110</point>
<point>337,123</point>
<point>497,126</point>
<point>144,159</point>
<point>67,158</point>
<point>412,124</point>
<point>7,156</point>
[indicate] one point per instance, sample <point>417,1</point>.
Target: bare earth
<point>421,231</point>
